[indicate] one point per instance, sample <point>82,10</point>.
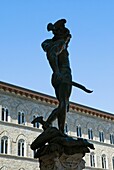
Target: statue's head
<point>58,24</point>
<point>58,28</point>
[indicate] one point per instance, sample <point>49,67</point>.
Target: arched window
<point>103,158</point>
<point>21,147</point>
<point>4,144</point>
<point>21,117</point>
<point>90,133</point>
<point>92,159</point>
<point>111,139</point>
<point>78,130</point>
<point>101,136</point>
<point>4,114</point>
<point>113,163</point>
<point>35,124</point>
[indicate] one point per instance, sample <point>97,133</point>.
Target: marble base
<point>53,161</point>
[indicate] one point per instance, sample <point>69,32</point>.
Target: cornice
<point>20,91</point>
<point>92,111</point>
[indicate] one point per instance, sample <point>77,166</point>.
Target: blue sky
<point>91,22</point>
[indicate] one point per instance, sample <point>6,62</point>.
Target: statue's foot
<point>39,119</point>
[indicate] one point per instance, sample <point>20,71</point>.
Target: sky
<point>23,27</point>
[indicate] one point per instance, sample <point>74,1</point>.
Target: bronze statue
<point>53,139</point>
<point>58,57</point>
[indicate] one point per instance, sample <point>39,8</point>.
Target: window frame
<point>4,145</point>
<point>92,159</point>
<point>101,136</point>
<point>21,147</point>
<point>79,131</point>
<point>4,114</point>
<point>90,133</point>
<point>104,161</point>
<point>111,138</point>
<point>21,117</point>
<point>113,162</point>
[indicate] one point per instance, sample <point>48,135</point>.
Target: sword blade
<point>80,86</point>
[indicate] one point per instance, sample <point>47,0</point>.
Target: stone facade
<point>16,135</point>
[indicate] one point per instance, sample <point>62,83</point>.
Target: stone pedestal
<point>57,151</point>
<point>54,161</point>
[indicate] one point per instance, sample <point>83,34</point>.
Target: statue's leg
<point>64,93</point>
<point>59,113</point>
<point>52,116</point>
<point>55,112</point>
<point>63,106</point>
<point>62,116</point>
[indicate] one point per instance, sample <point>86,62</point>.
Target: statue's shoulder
<point>46,44</point>
<point>47,41</point>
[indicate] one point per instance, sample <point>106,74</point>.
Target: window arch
<point>4,116</point>
<point>21,147</point>
<point>21,117</point>
<point>104,163</point>
<point>78,130</point>
<point>92,159</point>
<point>4,145</point>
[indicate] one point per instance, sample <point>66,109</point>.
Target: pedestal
<point>52,161</point>
<point>57,151</point>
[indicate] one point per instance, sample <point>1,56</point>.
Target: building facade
<point>19,106</point>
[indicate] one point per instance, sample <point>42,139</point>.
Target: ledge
<point>21,126</point>
<point>18,157</point>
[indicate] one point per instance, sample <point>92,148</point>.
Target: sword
<point>80,86</point>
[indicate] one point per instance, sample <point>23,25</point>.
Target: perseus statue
<point>57,54</point>
<point>54,140</point>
